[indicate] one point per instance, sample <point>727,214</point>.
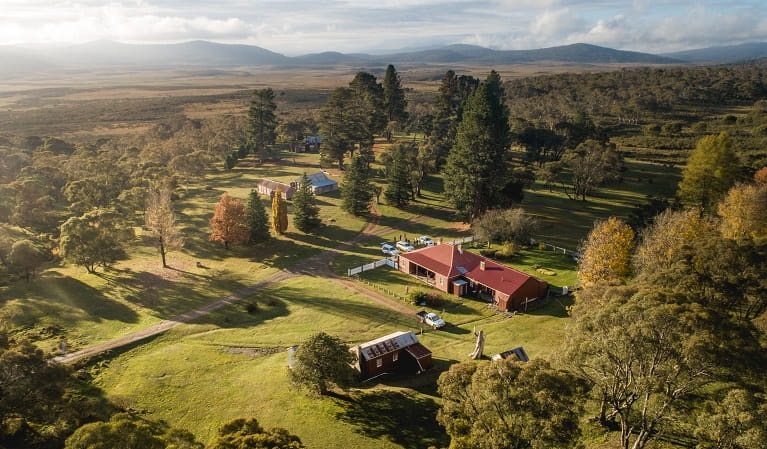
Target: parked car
<point>431,319</point>
<point>425,240</point>
<point>388,249</point>
<point>404,246</point>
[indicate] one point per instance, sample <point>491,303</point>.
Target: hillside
<point>723,55</point>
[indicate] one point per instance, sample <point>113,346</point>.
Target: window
<point>395,357</point>
<point>379,363</point>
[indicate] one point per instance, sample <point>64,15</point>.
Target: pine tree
<point>476,170</point>
<point>356,191</point>
<point>394,99</point>
<point>255,216</point>
<point>306,213</point>
<point>399,189</point>
<point>262,121</point>
<point>279,213</point>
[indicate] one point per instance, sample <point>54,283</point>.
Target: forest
<point>662,342</point>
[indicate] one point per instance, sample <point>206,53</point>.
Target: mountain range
<point>108,54</point>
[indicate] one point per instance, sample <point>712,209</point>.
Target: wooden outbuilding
<point>399,352</point>
<point>269,187</point>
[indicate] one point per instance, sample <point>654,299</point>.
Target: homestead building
<point>398,352</point>
<point>449,268</point>
<point>320,183</point>
<point>269,187</point>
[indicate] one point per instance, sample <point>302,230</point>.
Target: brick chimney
<point>482,265</point>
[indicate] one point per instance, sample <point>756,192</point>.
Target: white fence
<point>559,249</point>
<point>372,266</point>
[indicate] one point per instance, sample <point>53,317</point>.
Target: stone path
<point>313,266</point>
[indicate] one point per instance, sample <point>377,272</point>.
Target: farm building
<point>517,353</point>
<point>268,187</point>
<point>451,269</point>
<point>320,183</point>
<point>398,352</point>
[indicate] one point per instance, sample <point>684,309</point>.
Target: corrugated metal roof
<point>387,344</point>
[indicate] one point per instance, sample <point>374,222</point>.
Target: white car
<point>388,249</point>
<point>405,246</point>
<point>425,240</point>
<point>431,319</point>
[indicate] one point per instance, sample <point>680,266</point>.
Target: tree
<point>248,434</point>
<point>160,219</point>
<point>27,256</point>
<point>262,121</point>
<point>279,214</point>
<point>508,404</point>
<point>228,223</point>
<point>128,431</point>
<point>356,191</point>
<point>94,239</point>
<point>306,212</point>
<point>322,360</point>
<point>256,219</point>
<point>606,253</point>
<point>645,355</point>
<point>371,94</point>
<point>399,189</point>
<point>394,100</point>
<point>476,165</point>
<point>592,163</point>
<point>712,168</point>
<point>743,212</point>
<point>507,225</point>
<point>737,421</point>
<point>344,121</point>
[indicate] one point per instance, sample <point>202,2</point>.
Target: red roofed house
<point>453,270</point>
<point>397,352</point>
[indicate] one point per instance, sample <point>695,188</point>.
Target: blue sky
<point>294,27</point>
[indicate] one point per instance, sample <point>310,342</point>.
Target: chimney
<point>482,265</point>
<point>460,249</point>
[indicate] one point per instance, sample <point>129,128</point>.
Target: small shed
<point>320,183</point>
<point>517,353</point>
<point>269,187</point>
<point>397,352</point>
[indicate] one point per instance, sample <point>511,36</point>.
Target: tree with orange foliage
<point>279,213</point>
<point>606,254</point>
<point>228,223</point>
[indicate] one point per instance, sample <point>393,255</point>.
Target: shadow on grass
<point>405,419</point>
<point>556,307</point>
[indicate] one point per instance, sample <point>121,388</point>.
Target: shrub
<point>488,252</point>
<point>507,250</point>
<point>428,298</point>
<point>542,247</point>
<point>251,307</point>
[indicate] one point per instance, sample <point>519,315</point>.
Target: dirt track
<point>313,266</point>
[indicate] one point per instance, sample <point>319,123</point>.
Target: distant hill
<point>723,55</point>
<point>108,54</point>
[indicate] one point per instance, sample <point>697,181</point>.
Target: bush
<point>251,307</point>
<point>508,250</point>
<point>542,247</point>
<point>488,252</point>
<point>430,299</point>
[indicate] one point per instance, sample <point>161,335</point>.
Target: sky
<point>296,27</point>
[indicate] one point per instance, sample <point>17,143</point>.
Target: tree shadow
<point>408,420</point>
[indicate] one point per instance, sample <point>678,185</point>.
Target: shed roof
<point>274,185</point>
<point>451,261</point>
<point>319,179</point>
<point>388,344</point>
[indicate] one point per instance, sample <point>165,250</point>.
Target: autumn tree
<point>306,212</point>
<point>262,121</point>
<point>160,219</point>
<point>321,361</point>
<point>508,404</point>
<point>256,219</point>
<point>94,239</point>
<point>279,213</point>
<point>606,253</point>
<point>248,434</point>
<point>356,190</point>
<point>476,168</point>
<point>744,212</point>
<point>228,223</point>
<point>712,168</point>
